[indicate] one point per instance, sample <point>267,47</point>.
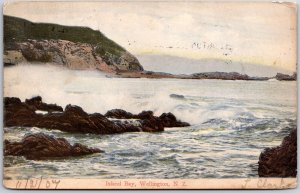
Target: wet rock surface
<point>37,103</point>
<point>40,147</point>
<point>280,161</point>
<point>75,120</point>
<point>166,119</point>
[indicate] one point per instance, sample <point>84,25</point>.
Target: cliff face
<point>74,47</point>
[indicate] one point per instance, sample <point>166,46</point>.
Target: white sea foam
<point>41,112</point>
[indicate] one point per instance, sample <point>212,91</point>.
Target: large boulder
<point>280,161</point>
<point>40,146</point>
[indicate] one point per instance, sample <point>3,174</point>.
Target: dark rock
<point>75,120</point>
<point>40,146</point>
<point>145,115</point>
<point>73,110</point>
<point>15,111</point>
<point>221,75</point>
<point>34,100</point>
<point>37,103</point>
<point>259,78</point>
<point>152,124</point>
<point>6,64</point>
<point>11,100</point>
<point>169,120</point>
<point>286,77</point>
<point>119,114</point>
<point>177,96</point>
<point>280,161</point>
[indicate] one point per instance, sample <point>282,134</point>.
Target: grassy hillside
<point>18,30</point>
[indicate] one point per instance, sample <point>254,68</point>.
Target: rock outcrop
<point>36,102</point>
<point>40,147</point>
<point>13,57</point>
<point>204,75</point>
<point>280,161</point>
<point>75,120</point>
<point>221,75</point>
<point>73,47</point>
<point>166,119</point>
<point>286,77</point>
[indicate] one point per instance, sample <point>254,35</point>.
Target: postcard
<point>149,95</point>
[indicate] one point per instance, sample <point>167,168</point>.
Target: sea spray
<point>203,99</point>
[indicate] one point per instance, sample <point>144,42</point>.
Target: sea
<point>232,122</point>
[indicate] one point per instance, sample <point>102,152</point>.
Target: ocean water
<point>231,123</point>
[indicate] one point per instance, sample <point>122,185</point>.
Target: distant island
<point>83,48</point>
<point>205,75</point>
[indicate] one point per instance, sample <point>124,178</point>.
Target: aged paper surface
<point>150,95</point>
<point>250,183</point>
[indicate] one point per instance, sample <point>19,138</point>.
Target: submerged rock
<point>40,146</point>
<point>177,96</point>
<point>280,161</point>
<point>75,120</point>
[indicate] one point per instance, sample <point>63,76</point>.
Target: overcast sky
<point>258,33</point>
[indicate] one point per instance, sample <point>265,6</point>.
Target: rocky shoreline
<point>35,113</point>
<point>74,119</point>
<point>280,161</point>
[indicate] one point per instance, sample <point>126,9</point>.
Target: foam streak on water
<point>232,122</point>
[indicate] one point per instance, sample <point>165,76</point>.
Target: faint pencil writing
<point>37,183</point>
<point>264,183</point>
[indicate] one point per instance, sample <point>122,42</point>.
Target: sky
<point>253,33</point>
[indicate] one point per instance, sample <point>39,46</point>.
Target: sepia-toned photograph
<point>149,95</point>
